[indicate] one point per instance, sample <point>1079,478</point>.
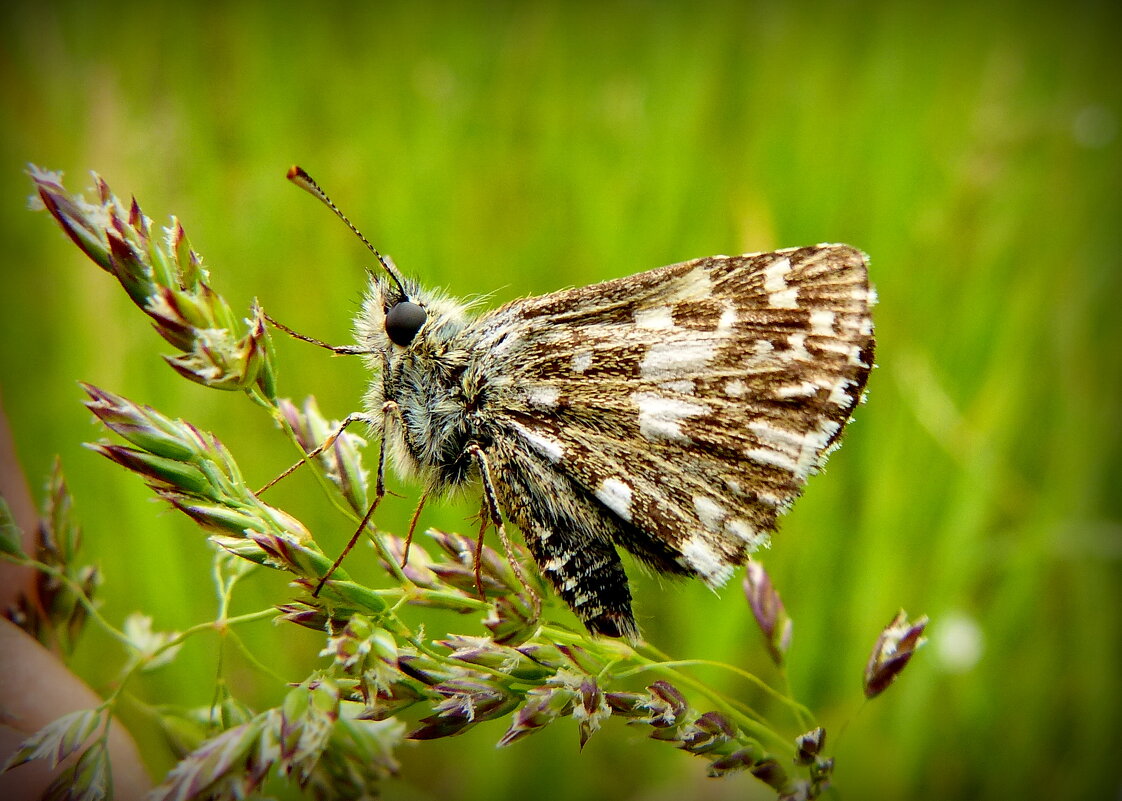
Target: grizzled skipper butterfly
<point>675,413</point>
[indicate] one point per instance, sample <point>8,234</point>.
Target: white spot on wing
<point>543,397</point>
<point>709,512</point>
<point>817,442</point>
<point>678,358</point>
<point>728,319</point>
<point>775,276</point>
<point>797,345</point>
<point>694,284</point>
<point>544,444</point>
<point>852,353</point>
<point>773,458</point>
<point>787,299</point>
<point>779,438</point>
<point>802,390</point>
<point>684,386</point>
<point>709,564</point>
<point>744,531</point>
<point>660,318</point>
<point>839,396</point>
<point>822,323</point>
<point>616,495</point>
<point>661,417</point>
<point>735,388</point>
<point>780,295</point>
<point>582,360</point>
<point>795,451</point>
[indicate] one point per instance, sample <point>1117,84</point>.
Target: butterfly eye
<point>403,322</point>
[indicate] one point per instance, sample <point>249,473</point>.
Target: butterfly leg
<point>477,561</point>
<point>388,408</point>
<point>413,525</point>
<point>357,417</point>
<point>491,510</point>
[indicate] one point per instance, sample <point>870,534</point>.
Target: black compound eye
<point>403,322</point>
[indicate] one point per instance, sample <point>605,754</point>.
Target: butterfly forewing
<point>692,401</point>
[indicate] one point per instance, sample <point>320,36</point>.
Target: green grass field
<point>507,149</point>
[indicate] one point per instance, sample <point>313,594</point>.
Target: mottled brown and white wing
<point>691,401</point>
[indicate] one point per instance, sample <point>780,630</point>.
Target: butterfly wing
<point>691,402</point>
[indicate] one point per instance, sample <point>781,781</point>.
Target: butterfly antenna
<point>297,175</point>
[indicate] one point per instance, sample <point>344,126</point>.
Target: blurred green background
<point>512,148</point>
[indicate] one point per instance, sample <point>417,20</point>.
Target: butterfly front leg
<point>388,409</point>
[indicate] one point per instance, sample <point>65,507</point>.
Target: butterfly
<point>673,414</point>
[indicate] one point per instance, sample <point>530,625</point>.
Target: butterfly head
<point>399,318</point>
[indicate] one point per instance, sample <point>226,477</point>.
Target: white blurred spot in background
<point>1094,126</point>
<point>957,641</point>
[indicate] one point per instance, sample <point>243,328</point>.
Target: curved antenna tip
<point>298,176</point>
